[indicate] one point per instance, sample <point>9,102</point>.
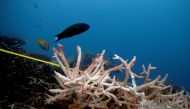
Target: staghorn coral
<point>94,88</point>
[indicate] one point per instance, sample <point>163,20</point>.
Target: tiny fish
<point>72,30</point>
<point>35,6</point>
<point>43,44</point>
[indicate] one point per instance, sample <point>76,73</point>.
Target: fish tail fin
<point>56,38</point>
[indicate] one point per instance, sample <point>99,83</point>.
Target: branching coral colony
<point>94,88</point>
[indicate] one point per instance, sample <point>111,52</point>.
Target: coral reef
<point>94,88</point>
<point>23,82</point>
<point>82,85</point>
<point>86,60</point>
<point>12,42</point>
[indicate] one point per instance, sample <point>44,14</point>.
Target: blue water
<point>156,31</point>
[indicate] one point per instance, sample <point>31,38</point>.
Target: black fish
<point>73,30</point>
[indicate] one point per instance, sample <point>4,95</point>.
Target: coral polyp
<point>94,88</point>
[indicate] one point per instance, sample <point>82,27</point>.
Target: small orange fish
<point>43,44</point>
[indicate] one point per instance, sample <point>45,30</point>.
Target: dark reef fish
<point>72,30</point>
<point>43,44</point>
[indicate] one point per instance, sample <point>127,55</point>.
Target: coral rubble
<point>94,88</point>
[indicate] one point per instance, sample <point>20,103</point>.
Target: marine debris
<point>94,88</point>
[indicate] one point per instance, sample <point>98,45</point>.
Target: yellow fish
<point>43,44</point>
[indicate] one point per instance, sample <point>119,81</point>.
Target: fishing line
<point>29,57</point>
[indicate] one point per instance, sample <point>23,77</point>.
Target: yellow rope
<point>29,57</point>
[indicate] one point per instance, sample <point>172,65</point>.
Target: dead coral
<point>94,88</point>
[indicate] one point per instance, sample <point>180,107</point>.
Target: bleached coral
<point>94,88</point>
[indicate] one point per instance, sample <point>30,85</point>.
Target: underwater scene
<point>94,54</point>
